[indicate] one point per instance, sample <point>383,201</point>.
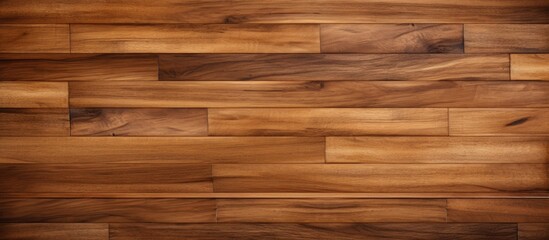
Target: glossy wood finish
<point>34,38</point>
<point>498,210</point>
<point>529,66</point>
<point>34,122</point>
<point>533,231</point>
<point>33,95</point>
<point>54,231</point>
<point>507,38</point>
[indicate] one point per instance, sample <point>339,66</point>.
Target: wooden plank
<point>34,122</point>
<point>498,210</point>
<point>135,178</point>
<point>530,66</point>
<point>320,231</point>
<point>437,150</point>
<point>184,38</point>
<point>162,150</point>
<point>485,122</point>
<point>53,231</point>
<point>33,95</point>
<point>310,94</point>
<point>331,210</point>
<point>122,122</point>
<point>34,38</point>
<point>513,38</point>
<point>391,38</point>
<point>533,231</point>
<point>277,11</point>
<point>78,67</point>
<point>106,210</point>
<point>327,121</point>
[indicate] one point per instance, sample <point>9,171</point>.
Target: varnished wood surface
<point>507,38</point>
<point>34,38</point>
<point>529,66</point>
<point>34,122</point>
<point>33,95</point>
<point>54,231</point>
<point>533,231</point>
<point>498,210</point>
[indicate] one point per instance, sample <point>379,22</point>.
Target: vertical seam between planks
<point>446,210</point>
<point>208,122</point>
<point>463,38</point>
<point>509,66</point>
<point>157,67</point>
<point>319,38</point>
<point>70,38</point>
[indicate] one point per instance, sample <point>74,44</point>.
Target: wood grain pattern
<point>126,122</point>
<point>499,121</point>
<point>78,67</point>
<point>530,66</point>
<point>327,121</point>
<point>331,210</point>
<point>391,38</point>
<point>162,150</point>
<point>321,231</point>
<point>106,210</point>
<point>513,38</point>
<point>333,67</point>
<point>34,122</point>
<point>33,95</point>
<point>34,38</point>
<point>53,231</point>
<point>105,178</point>
<point>533,231</point>
<point>381,178</point>
<point>310,94</point>
<point>195,38</point>
<point>498,210</point>
<point>437,150</point>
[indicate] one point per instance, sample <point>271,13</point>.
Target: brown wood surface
<point>498,210</point>
<point>33,95</point>
<point>503,38</point>
<point>530,66</point>
<point>34,122</point>
<point>54,231</point>
<point>533,231</point>
<point>34,38</point>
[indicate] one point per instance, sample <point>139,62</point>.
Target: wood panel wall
<point>246,119</point>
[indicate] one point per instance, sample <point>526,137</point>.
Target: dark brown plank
<point>122,122</point>
<point>105,178</point>
<point>106,210</point>
<point>34,38</point>
<point>391,38</point>
<point>381,178</point>
<point>530,66</point>
<point>53,231</point>
<point>512,38</point>
<point>311,94</point>
<point>327,121</point>
<point>333,67</point>
<point>78,67</point>
<point>498,210</point>
<point>533,231</point>
<point>34,122</point>
<point>162,150</point>
<point>33,95</point>
<point>320,231</point>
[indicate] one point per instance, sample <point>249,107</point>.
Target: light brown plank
<point>321,231</point>
<point>533,231</point>
<point>125,122</point>
<point>34,38</point>
<point>33,95</point>
<point>391,38</point>
<point>162,150</point>
<point>52,231</point>
<point>34,122</point>
<point>481,122</point>
<point>327,121</point>
<point>310,94</point>
<point>503,38</point>
<point>78,67</point>
<point>498,210</point>
<point>381,178</point>
<point>437,150</point>
<point>331,210</point>
<point>195,38</point>
<point>333,67</point>
<point>106,210</point>
<point>530,66</point>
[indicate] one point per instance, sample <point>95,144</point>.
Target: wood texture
<point>391,38</point>
<point>125,122</point>
<point>328,121</point>
<point>107,210</point>
<point>195,38</point>
<point>162,150</point>
<point>498,210</point>
<point>33,95</point>
<point>437,150</point>
<point>310,94</point>
<point>533,231</point>
<point>52,231</point>
<point>513,38</point>
<point>78,67</point>
<point>381,178</point>
<point>34,38</point>
<point>333,67</point>
<point>34,122</point>
<point>530,66</point>
<point>499,121</point>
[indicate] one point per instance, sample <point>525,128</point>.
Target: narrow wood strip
<point>53,231</point>
<point>184,38</point>
<point>327,121</point>
<point>34,122</point>
<point>498,210</point>
<point>530,66</point>
<point>533,231</point>
<point>34,38</point>
<point>437,150</point>
<point>511,38</point>
<point>33,95</point>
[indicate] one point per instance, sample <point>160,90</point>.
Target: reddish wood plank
<point>34,38</point>
<point>33,95</point>
<point>498,210</point>
<point>533,231</point>
<point>511,38</point>
<point>53,231</point>
<point>34,122</point>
